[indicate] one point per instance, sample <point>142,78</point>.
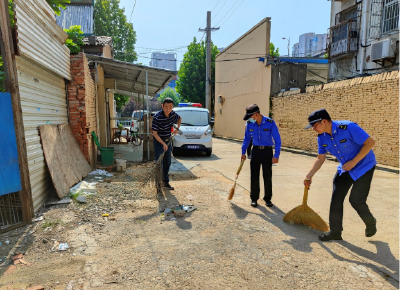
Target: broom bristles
<point>232,192</point>
<point>304,215</point>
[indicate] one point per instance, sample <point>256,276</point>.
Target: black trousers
<point>358,198</point>
<point>261,157</point>
<point>249,147</point>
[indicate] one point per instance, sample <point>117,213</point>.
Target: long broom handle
<point>305,196</point>
<point>158,161</point>
<point>239,169</point>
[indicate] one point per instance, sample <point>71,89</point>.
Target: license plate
<point>193,147</point>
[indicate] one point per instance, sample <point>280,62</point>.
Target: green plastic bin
<point>107,153</point>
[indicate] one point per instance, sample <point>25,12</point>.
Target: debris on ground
<point>83,187</point>
<point>59,202</point>
<point>101,172</point>
<point>63,247</point>
<point>18,258</point>
<point>81,199</point>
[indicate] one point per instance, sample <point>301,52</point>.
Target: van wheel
<point>208,153</point>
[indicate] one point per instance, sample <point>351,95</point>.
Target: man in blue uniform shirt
<point>264,134</point>
<point>352,147</point>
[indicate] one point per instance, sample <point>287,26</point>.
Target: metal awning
<point>131,77</point>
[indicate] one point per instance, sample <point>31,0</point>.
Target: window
<point>390,15</point>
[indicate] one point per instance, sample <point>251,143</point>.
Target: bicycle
<point>135,139</point>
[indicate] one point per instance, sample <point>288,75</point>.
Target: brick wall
<point>372,102</point>
<point>82,106</point>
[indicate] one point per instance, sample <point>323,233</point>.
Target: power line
<point>232,13</point>
<point>202,37</point>
<point>211,11</point>
<point>227,12</point>
<point>132,12</point>
<point>219,10</point>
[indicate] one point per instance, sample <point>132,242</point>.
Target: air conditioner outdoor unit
<point>383,49</point>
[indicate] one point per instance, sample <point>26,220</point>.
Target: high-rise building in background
<point>310,45</point>
<point>164,60</point>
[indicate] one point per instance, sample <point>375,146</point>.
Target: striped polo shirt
<point>163,124</point>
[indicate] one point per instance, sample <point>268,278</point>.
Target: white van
<point>195,133</point>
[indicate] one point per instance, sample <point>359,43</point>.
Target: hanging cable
<point>231,14</point>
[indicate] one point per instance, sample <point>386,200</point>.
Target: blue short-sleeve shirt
<point>345,143</point>
<point>265,134</point>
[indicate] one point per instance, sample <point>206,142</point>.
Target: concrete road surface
<point>379,253</point>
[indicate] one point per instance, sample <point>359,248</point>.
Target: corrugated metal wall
<point>43,101</point>
<point>77,15</point>
<point>43,64</point>
<point>40,38</point>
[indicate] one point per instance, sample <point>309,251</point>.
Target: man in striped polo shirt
<point>163,121</point>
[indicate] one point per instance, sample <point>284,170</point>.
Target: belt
<point>263,147</point>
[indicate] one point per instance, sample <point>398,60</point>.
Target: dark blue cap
<point>317,116</point>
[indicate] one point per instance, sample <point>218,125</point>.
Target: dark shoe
<point>254,203</point>
<point>269,204</point>
<point>371,230</point>
<point>168,186</point>
<point>330,236</point>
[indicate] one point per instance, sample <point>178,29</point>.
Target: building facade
<point>164,60</point>
<point>77,12</point>
<point>310,45</point>
<point>363,38</point>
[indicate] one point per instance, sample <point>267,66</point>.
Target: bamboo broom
<point>304,215</point>
<point>232,191</point>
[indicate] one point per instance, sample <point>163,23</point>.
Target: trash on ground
<point>83,187</point>
<point>162,216</point>
<point>7,242</point>
<point>179,212</point>
<point>173,219</point>
<point>19,259</point>
<point>189,208</point>
<point>63,247</point>
<point>106,214</point>
<point>100,172</point>
<point>38,219</point>
<point>63,201</point>
<point>167,210</point>
<point>81,199</point>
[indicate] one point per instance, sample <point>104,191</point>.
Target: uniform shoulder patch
<point>270,120</point>
<point>343,127</point>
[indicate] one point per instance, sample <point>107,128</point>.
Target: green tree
<point>273,51</point>
<point>170,93</point>
<point>57,4</point>
<point>75,39</point>
<point>192,73</point>
<point>120,100</point>
<point>110,20</point>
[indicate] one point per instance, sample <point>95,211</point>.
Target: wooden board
<point>66,163</point>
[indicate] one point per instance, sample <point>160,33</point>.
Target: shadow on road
<point>302,237</point>
<point>300,240</point>
<point>382,249</point>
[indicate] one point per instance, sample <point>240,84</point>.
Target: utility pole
<point>208,62</point>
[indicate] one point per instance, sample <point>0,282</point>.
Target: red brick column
<point>81,106</point>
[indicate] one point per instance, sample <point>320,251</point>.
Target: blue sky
<point>171,25</point>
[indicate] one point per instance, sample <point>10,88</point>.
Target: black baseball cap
<point>250,111</point>
<point>317,116</point>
